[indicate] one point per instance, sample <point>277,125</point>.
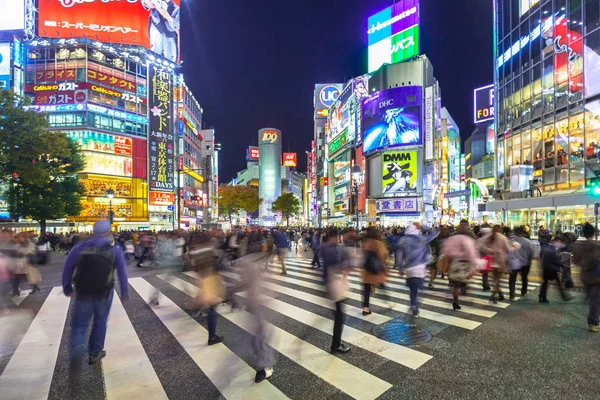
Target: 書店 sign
<point>407,204</point>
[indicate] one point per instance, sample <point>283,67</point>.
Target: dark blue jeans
<point>414,284</point>
<point>593,295</point>
<point>86,309</point>
<point>212,323</point>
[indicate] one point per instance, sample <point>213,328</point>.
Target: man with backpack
<point>91,267</point>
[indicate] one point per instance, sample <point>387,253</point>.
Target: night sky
<point>254,63</point>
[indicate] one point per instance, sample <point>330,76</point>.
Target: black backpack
<point>95,270</point>
<point>373,264</point>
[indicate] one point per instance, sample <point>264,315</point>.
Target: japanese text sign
<point>161,142</point>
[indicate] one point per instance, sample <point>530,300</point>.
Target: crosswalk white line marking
<point>310,298</point>
<point>19,299</point>
<point>29,372</point>
<point>401,296</point>
<point>346,377</point>
<point>355,276</point>
<point>399,354</point>
<point>405,309</point>
<point>229,373</point>
<point>478,278</point>
<point>128,373</point>
<point>475,280</point>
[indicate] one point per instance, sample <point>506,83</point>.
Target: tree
<point>249,200</point>
<point>39,166</point>
<point>229,200</point>
<point>233,199</point>
<point>288,205</point>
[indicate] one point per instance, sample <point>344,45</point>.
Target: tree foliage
<point>288,205</point>
<point>233,199</point>
<point>38,166</point>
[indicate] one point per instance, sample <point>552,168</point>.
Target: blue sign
<point>460,193</point>
<point>169,208</point>
<point>180,128</point>
<point>328,95</point>
<point>17,57</point>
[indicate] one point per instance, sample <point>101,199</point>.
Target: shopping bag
<point>442,265</point>
<point>33,275</point>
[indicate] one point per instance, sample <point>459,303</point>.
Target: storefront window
<point>517,150</point>
<point>526,148</point>
<point>549,153</point>
<point>99,187</point>
<point>562,141</point>
<point>509,154</point>
<point>538,148</point>
<point>576,154</point>
<point>592,141</point>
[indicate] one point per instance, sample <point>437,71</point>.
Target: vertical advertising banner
<point>4,65</point>
<point>429,124</point>
<point>362,185</point>
<point>161,141</point>
<point>399,172</point>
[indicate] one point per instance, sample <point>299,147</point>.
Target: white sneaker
<point>263,374</point>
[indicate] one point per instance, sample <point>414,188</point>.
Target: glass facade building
<point>547,106</point>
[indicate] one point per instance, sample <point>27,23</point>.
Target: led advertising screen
<point>392,118</point>
<point>4,65</point>
<point>290,159</point>
<point>12,17</point>
<point>161,140</point>
<point>399,172</point>
<point>153,24</point>
<point>393,34</point>
<point>483,100</point>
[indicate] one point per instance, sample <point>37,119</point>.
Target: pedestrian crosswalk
<point>298,314</point>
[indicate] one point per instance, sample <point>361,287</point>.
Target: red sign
<point>123,146</point>
<point>290,159</point>
<point>153,24</point>
<point>567,46</point>
<point>161,199</point>
<point>254,153</point>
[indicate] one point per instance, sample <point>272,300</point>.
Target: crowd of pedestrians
<point>418,253</point>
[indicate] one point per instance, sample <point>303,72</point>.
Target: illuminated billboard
<point>483,101</point>
<point>392,118</point>
<point>153,24</point>
<point>12,17</point>
<point>325,95</point>
<point>526,5</point>
<point>393,34</point>
<point>399,172</point>
<point>252,153</point>
<point>290,159</point>
<point>4,65</point>
<point>161,140</point>
<point>269,171</point>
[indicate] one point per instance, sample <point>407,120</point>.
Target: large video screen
<point>153,24</point>
<point>393,34</point>
<point>392,118</point>
<point>12,16</point>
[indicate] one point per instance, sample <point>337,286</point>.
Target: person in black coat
<point>552,266</point>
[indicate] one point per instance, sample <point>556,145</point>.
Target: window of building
<point>592,142</point>
<point>549,151</point>
<point>592,15</point>
<point>517,150</point>
<point>526,148</point>
<point>538,148</point>
<point>509,154</point>
<point>562,140</point>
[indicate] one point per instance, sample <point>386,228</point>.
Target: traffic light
<point>594,187</point>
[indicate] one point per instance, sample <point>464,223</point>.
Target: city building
<point>269,170</point>
<point>117,92</point>
<point>547,110</point>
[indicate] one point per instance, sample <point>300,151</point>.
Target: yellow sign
<point>193,174</point>
<point>399,172</point>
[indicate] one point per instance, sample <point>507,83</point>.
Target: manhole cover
<point>399,332</point>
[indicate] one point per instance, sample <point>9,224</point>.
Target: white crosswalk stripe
<point>405,309</point>
<point>211,359</point>
<point>346,377</point>
<point>29,372</point>
<point>127,372</point>
<point>299,315</point>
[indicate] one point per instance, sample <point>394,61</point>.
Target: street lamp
<point>356,173</point>
<point>110,193</point>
